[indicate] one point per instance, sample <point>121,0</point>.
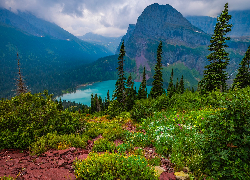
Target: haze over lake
<point>83,94</point>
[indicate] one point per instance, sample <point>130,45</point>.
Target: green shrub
<point>114,166</point>
<point>227,138</point>
<point>124,147</point>
<point>114,109</point>
<point>7,178</point>
<point>146,107</point>
<point>113,132</point>
<point>102,145</point>
<point>55,141</point>
<point>27,117</point>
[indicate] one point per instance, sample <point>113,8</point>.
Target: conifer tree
<point>93,104</point>
<point>157,89</point>
<point>181,87</point>
<point>215,75</point>
<point>119,93</point>
<point>130,94</point>
<point>170,90</point>
<point>242,79</point>
<point>21,87</point>
<point>142,93</point>
<point>177,86</point>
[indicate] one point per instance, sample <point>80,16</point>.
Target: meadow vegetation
<point>207,130</point>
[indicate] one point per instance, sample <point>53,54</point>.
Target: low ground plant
<point>102,145</point>
<point>55,141</point>
<point>114,166</point>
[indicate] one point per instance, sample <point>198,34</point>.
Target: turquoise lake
<point>83,94</point>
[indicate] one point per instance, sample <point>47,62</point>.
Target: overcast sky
<point>111,17</point>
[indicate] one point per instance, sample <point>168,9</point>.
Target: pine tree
<point>171,89</point>
<point>93,104</point>
<point>119,93</point>
<point>142,93</point>
<point>181,87</point>
<point>177,86</point>
<point>21,87</point>
<point>242,79</point>
<point>130,94</point>
<point>157,89</point>
<point>215,75</point>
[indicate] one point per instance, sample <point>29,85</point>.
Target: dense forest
<point>206,131</point>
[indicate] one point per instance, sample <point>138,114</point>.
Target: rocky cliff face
<point>240,21</point>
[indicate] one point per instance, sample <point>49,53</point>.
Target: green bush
<point>146,107</point>
<point>227,138</point>
<point>102,145</point>
<point>7,178</point>
<point>114,166</point>
<point>113,132</point>
<point>114,109</point>
<point>26,117</point>
<point>54,141</point>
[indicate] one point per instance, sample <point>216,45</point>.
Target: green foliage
<point>26,117</point>
<point>142,93</point>
<point>7,178</point>
<point>157,89</point>
<point>130,94</point>
<point>113,131</point>
<point>227,138</point>
<point>114,166</point>
<point>55,141</point>
<point>181,87</point>
<point>124,147</point>
<point>171,88</point>
<point>146,107</point>
<point>114,109</point>
<point>137,139</point>
<point>102,145</point>
<point>215,75</point>
<point>243,77</point>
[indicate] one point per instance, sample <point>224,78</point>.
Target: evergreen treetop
<point>119,93</point>
<point>157,89</point>
<point>142,93</point>
<point>215,75</point>
<point>170,90</point>
<point>242,79</point>
<point>21,87</point>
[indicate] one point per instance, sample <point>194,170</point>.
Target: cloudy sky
<point>111,17</point>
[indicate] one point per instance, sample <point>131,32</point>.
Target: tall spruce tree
<point>177,86</point>
<point>242,79</point>
<point>119,93</point>
<point>142,93</point>
<point>130,94</point>
<point>157,89</point>
<point>21,87</point>
<point>171,89</point>
<point>181,86</point>
<point>215,75</point>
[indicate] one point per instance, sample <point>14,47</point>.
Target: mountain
<point>185,48</point>
<point>46,51</point>
<point>182,43</point>
<point>240,21</point>
<point>111,43</point>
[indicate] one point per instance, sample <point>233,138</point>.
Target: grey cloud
<point>111,14</point>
